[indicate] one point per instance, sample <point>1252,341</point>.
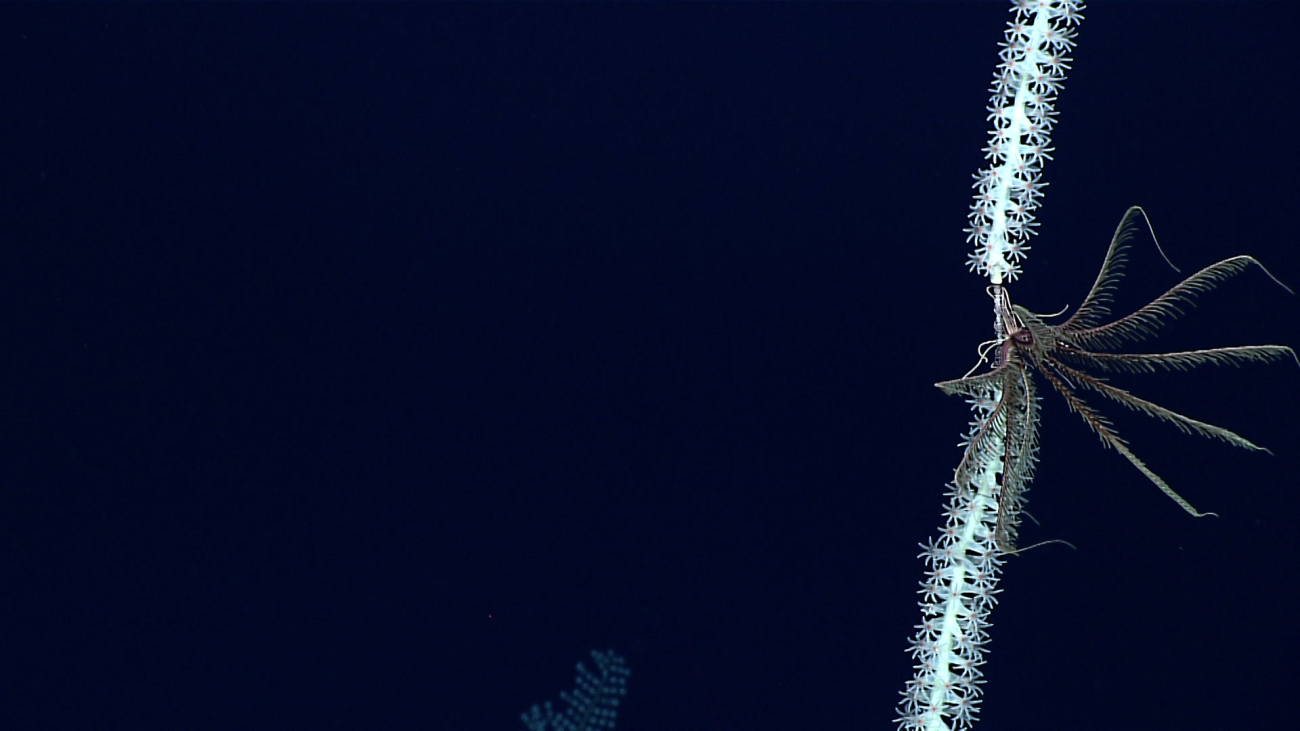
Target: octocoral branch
<point>1022,109</point>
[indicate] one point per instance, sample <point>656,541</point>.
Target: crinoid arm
<point>1181,360</point>
<point>1008,433</point>
<point>1103,429</point>
<point>1149,318</point>
<point>1096,304</point>
<point>1083,328</point>
<point>1186,424</point>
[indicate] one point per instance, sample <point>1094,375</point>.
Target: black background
<point>365,366</point>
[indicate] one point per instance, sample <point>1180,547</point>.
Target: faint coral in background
<point>592,705</point>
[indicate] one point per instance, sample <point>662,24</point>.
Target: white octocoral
<point>1025,85</point>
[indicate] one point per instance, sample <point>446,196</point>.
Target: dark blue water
<point>365,366</point>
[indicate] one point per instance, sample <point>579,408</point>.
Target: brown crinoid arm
<point>978,386</point>
<point>1103,429</point>
<point>1182,360</point>
<point>1186,424</point>
<point>1020,454</point>
<point>1014,422</point>
<point>1144,322</point>
<point>1096,303</point>
<point>984,434</point>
